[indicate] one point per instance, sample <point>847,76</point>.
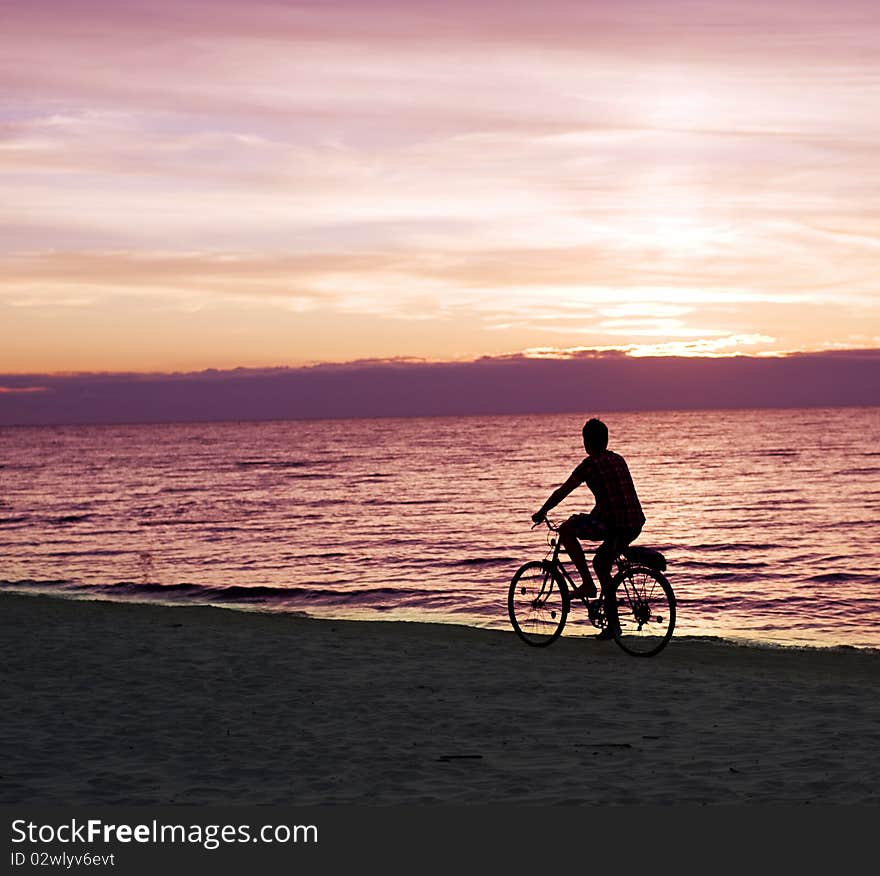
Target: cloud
<point>506,175</point>
<point>588,380</point>
<point>482,302</point>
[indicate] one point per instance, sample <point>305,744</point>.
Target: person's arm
<point>575,479</point>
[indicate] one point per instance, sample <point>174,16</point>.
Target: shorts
<point>614,539</point>
<point>589,527</point>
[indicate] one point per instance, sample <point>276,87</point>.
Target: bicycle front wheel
<point>537,604</point>
<point>646,605</point>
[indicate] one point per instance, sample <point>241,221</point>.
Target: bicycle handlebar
<point>553,527</point>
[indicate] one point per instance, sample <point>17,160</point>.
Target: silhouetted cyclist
<point>617,518</point>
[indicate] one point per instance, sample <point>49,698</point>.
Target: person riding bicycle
<point>617,518</point>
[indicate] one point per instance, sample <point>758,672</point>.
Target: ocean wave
<point>725,576</point>
<point>399,502</point>
<point>309,476</point>
<point>281,463</point>
<point>146,587</point>
<point>698,564</point>
<point>70,518</point>
<point>37,582</point>
<point>478,561</point>
<point>753,604</point>
<point>734,546</point>
<point>235,593</point>
<point>178,522</point>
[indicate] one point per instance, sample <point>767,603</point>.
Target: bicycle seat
<point>646,556</point>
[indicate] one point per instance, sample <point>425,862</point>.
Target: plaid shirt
<point>617,503</point>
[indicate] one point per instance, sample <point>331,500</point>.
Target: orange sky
<point>190,184</point>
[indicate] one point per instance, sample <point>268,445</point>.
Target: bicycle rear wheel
<point>536,603</point>
<point>646,605</point>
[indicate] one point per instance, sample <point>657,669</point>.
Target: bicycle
<point>539,599</point>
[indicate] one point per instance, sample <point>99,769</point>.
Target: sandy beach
<point>132,704</point>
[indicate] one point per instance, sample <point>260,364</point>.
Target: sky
<point>194,184</point>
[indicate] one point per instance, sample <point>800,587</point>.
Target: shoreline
<point>115,702</point>
<point>571,631</point>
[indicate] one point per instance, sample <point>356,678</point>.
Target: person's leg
<point>569,540</point>
<point>603,562</point>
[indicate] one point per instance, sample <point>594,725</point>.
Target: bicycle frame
<point>595,608</point>
<point>621,563</point>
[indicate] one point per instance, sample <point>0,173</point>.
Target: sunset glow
<point>196,184</point>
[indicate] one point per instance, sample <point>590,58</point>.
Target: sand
<point>131,704</point>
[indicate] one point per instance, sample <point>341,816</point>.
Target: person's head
<point>595,436</point>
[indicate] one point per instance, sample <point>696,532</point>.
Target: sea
<point>769,519</point>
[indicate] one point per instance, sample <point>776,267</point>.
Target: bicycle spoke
<point>647,617</point>
<point>536,604</point>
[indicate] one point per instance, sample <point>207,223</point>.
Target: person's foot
<point>608,633</point>
<point>583,593</point>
